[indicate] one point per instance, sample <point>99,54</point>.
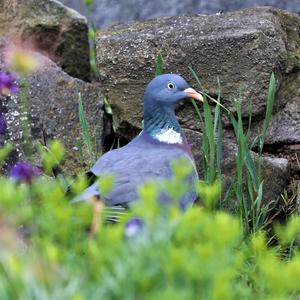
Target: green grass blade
<point>84,128</point>
<point>218,108</point>
<point>251,169</point>
<point>209,131</point>
<point>269,110</point>
<point>249,119</point>
<point>238,128</point>
<point>107,106</point>
<point>197,78</point>
<point>204,93</point>
<point>159,64</point>
<point>218,129</point>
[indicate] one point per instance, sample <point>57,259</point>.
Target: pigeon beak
<point>191,93</point>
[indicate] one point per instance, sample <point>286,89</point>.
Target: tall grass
<point>212,134</point>
<point>27,143</point>
<point>247,183</point>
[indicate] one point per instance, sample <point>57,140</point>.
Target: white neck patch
<point>169,136</point>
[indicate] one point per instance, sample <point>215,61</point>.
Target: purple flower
<point>24,172</point>
<point>7,83</point>
<point>134,226</point>
<point>3,126</point>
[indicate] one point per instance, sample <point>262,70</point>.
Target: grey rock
<point>241,48</point>
<point>275,171</point>
<point>50,28</point>
<point>53,112</point>
<point>285,123</point>
<point>107,12</point>
<point>284,128</point>
<point>276,176</point>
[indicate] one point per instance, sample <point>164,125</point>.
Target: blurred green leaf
<point>4,152</point>
<point>106,183</point>
<point>88,2</point>
<point>209,193</point>
<point>51,156</point>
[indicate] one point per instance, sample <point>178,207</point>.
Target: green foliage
<point>48,253</point>
<point>93,62</point>
<point>105,183</point>
<point>88,2</point>
<point>269,110</point>
<point>209,194</point>
<point>212,134</point>
<point>51,156</point>
<point>248,185</point>
<point>91,36</point>
<point>107,106</point>
<point>289,233</point>
<point>4,152</point>
<point>25,126</point>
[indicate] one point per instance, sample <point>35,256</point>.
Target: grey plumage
<point>145,157</point>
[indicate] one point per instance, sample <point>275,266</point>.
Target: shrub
<point>155,252</point>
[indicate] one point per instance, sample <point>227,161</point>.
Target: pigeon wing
<point>132,165</point>
<point>132,168</point>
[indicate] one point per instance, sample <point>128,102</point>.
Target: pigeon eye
<point>171,85</point>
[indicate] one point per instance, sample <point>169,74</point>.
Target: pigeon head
<point>160,99</point>
<point>167,90</point>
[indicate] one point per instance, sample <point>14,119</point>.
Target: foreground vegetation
<point>52,250</point>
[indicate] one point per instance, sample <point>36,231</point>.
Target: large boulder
<point>241,48</point>
<point>53,111</point>
<point>50,28</point>
<point>108,12</point>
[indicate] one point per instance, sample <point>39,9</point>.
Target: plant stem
<point>25,126</point>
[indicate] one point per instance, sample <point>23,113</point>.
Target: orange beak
<point>193,94</point>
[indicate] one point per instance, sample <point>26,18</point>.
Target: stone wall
<point>240,48</point>
<point>108,12</point>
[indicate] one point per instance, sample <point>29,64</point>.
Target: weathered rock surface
<point>107,12</point>
<point>50,28</point>
<point>54,110</point>
<point>241,48</point>
<point>275,172</point>
<point>285,125</point>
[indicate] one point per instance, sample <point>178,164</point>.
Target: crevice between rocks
<point>111,139</point>
<point>290,151</point>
